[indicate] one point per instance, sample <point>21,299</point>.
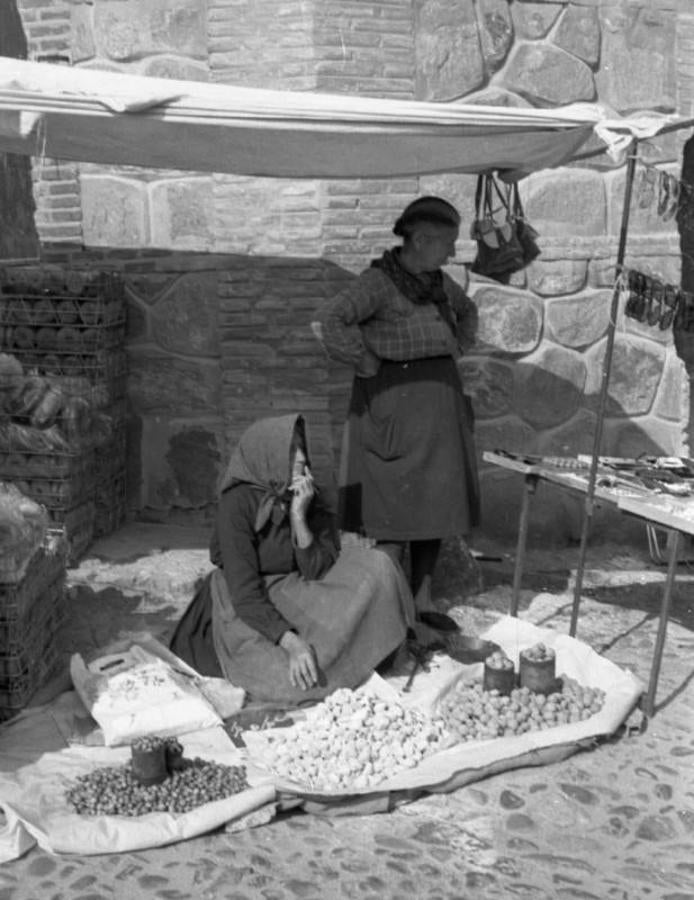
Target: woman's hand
<point>303,672</point>
<point>303,491</point>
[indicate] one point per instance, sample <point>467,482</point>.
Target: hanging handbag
<point>505,241</point>
<point>527,235</point>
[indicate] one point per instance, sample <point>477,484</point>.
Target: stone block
<point>534,20</point>
<point>580,320</point>
<point>548,75</point>
<point>550,386</point>
<point>447,50</point>
<point>506,433</point>
<point>647,435</point>
<point>129,29</point>
<point>175,67</point>
<point>181,461</point>
<point>634,375</point>
<point>114,212</point>
<point>578,33</point>
<point>496,96</point>
<point>82,45</point>
<point>565,202</point>
<point>186,318</point>
<point>162,384</point>
<point>637,66</point>
<point>182,214</point>
<point>490,384</point>
<point>551,278</point>
<point>509,321</point>
<point>572,437</point>
<point>495,31</point>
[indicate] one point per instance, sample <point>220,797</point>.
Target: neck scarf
<point>262,459</point>
<point>426,287</point>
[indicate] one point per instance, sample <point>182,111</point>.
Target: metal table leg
<point>529,488</point>
<point>674,541</point>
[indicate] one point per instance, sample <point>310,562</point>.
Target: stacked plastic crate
<point>62,441</point>
<point>32,609</point>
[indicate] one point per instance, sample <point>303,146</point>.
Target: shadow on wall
<point>217,341</point>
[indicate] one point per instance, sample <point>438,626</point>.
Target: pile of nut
<point>538,653</point>
<point>472,714</point>
<point>354,741</point>
<point>114,791</point>
<point>498,660</point>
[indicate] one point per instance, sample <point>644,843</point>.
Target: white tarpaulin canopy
<point>104,117</point>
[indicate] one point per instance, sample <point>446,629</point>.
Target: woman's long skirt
<point>408,469</point>
<point>354,617</point>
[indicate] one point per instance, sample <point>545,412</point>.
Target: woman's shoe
<point>438,620</point>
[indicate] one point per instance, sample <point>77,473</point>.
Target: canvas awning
<point>88,115</point>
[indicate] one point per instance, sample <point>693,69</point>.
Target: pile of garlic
<point>354,740</point>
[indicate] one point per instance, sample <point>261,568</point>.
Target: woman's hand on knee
<point>303,671</point>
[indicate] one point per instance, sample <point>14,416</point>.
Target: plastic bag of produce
<point>135,693</point>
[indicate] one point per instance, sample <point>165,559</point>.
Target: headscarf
<point>262,459</point>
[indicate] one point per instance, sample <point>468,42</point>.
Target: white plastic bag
<point>135,693</point>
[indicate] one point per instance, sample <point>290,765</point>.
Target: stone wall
<point>224,273</point>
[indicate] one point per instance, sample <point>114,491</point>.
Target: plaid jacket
<point>371,320</point>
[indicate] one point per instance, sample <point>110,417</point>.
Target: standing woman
<point>408,473</point>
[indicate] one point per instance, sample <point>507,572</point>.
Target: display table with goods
<point>657,490</point>
<point>104,769</point>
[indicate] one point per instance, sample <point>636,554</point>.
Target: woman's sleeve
<point>315,560</point>
<point>466,315</point>
<point>339,325</point>
<point>238,546</point>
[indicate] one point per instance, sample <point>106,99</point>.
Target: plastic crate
<point>54,280</point>
<point>52,466</point>
<point>22,637</point>
<point>77,526</point>
<point>19,339</point>
<point>99,367</point>
<point>46,567</point>
<point>16,692</point>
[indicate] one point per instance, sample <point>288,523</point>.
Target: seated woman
<point>287,615</point>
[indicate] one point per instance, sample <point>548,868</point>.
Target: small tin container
<point>538,675</point>
<point>499,673</point>
<point>148,761</point>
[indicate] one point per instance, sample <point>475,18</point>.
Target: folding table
<point>673,514</point>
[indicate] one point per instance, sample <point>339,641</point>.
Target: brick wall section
<point>47,26</point>
<point>365,49</point>
<point>262,43</point>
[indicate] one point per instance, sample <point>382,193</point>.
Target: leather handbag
<point>506,242</point>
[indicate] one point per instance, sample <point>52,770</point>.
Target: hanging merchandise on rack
<point>650,301</point>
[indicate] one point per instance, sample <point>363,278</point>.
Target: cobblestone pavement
<point>612,823</point>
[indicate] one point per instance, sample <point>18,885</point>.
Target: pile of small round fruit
<point>472,714</point>
<point>114,790</point>
<point>353,741</point>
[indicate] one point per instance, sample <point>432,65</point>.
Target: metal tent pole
<point>606,367</point>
